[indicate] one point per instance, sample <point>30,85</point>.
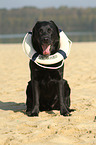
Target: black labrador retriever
<point>47,89</point>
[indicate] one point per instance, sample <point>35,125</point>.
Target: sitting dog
<point>47,90</point>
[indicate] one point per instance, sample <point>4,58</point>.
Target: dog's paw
<point>30,113</point>
<point>34,112</point>
<point>65,112</point>
<point>72,110</point>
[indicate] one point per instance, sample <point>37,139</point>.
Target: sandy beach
<point>50,128</point>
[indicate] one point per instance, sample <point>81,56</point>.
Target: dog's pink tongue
<point>46,50</point>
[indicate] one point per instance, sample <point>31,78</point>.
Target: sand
<point>50,128</point>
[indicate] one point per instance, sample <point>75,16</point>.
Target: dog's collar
<point>47,62</point>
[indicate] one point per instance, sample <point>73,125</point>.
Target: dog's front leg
<point>35,91</point>
<point>61,93</point>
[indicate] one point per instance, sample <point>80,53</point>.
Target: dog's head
<point>45,37</point>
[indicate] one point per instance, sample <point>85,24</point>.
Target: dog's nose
<point>45,40</point>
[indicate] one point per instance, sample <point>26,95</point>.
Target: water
<point>74,36</point>
<point>11,38</point>
<point>82,36</point>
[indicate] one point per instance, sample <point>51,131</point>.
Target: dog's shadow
<point>16,107</point>
<point>19,107</point>
<point>13,106</point>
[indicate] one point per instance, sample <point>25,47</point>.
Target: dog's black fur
<point>47,89</point>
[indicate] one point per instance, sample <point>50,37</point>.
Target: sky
<point>10,4</point>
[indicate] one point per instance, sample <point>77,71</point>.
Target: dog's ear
<point>35,26</point>
<point>35,37</point>
<point>52,22</point>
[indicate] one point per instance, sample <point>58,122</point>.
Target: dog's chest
<point>48,87</point>
<point>47,76</point>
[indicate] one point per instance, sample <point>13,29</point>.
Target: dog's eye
<point>41,31</point>
<point>49,30</point>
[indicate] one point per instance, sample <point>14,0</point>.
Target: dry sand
<point>50,128</point>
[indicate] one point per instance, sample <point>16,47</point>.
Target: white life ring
<point>65,46</point>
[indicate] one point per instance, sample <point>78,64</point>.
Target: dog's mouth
<point>46,49</point>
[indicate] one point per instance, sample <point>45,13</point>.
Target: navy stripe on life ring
<point>34,56</point>
<point>30,33</point>
<point>63,53</point>
<point>60,30</point>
